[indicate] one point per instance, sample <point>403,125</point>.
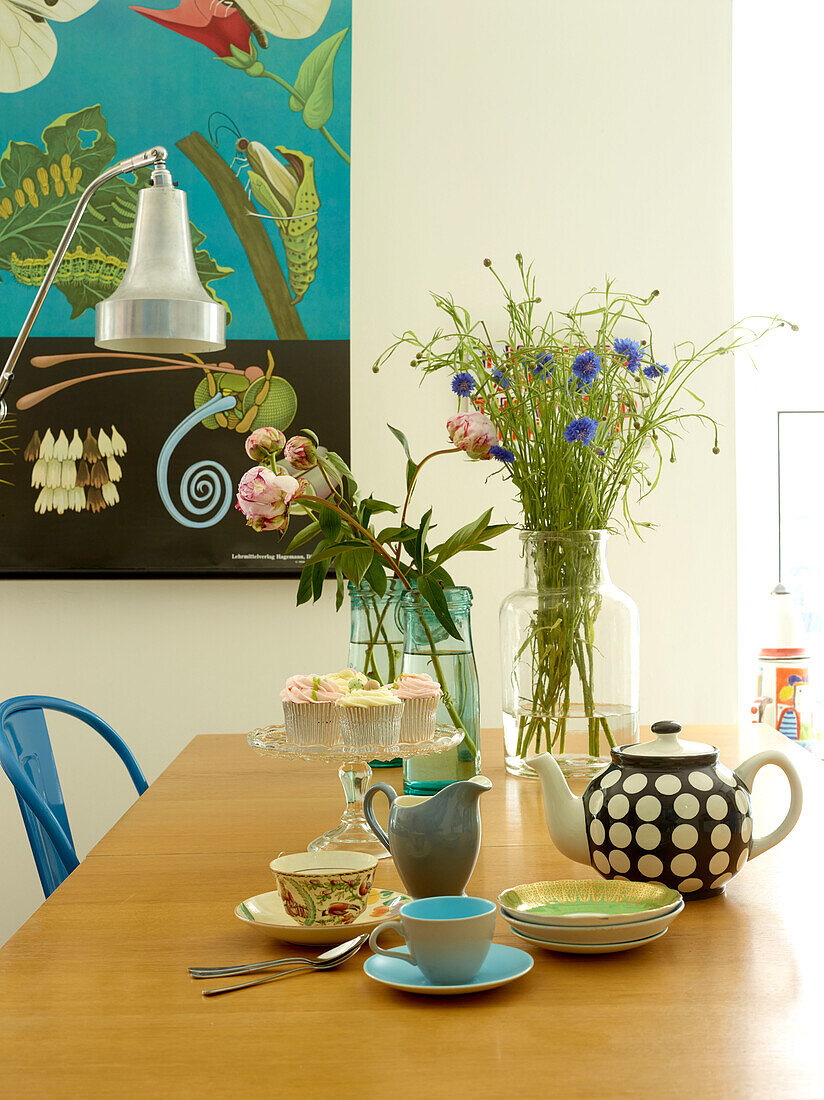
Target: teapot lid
<point>666,748</point>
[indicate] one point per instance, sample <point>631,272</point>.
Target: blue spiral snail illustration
<point>206,490</point>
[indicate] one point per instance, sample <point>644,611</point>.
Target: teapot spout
<point>564,812</point>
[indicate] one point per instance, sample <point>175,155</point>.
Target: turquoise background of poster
<point>156,87</point>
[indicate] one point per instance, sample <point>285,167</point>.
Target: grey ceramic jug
<point>434,840</point>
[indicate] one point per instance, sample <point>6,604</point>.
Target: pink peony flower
<point>300,453</point>
<point>264,442</point>
<point>264,499</point>
<point>472,432</point>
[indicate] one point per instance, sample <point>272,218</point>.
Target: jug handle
<point>369,813</point>
<point>747,772</point>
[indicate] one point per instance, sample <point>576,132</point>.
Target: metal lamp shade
<point>160,304</point>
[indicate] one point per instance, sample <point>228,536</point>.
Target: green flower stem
<point>380,630</point>
<point>285,84</point>
<point>373,542</point>
<point>332,488</point>
<point>376,546</point>
<point>410,488</point>
<point>369,655</point>
<point>414,478</point>
<point>447,698</point>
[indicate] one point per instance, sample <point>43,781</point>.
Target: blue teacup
<point>447,938</point>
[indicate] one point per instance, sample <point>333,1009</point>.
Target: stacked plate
<point>590,917</point>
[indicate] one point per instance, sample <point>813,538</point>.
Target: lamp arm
<point>157,156</point>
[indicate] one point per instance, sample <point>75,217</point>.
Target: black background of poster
<point>138,536</point>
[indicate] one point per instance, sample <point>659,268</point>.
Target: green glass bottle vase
<point>376,637</point>
<point>428,648</point>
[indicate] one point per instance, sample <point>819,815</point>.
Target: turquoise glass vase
<point>451,661</point>
<point>376,637</point>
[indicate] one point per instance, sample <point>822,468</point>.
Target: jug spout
<point>477,785</point>
<point>564,812</point>
<point>465,792</point>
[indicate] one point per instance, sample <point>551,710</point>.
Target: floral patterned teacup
<point>323,888</point>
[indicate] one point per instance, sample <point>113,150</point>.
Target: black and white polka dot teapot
<point>664,811</point>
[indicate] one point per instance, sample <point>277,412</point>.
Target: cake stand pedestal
<point>352,833</point>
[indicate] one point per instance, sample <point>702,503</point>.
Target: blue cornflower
<point>501,379</point>
<point>655,370</point>
<point>542,366</point>
<point>586,366</point>
<point>629,350</point>
<point>581,430</point>
<point>463,384</point>
<point>501,453</point>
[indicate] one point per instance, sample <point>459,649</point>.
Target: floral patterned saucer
<point>267,912</point>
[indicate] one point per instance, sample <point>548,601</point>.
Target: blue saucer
<point>503,964</point>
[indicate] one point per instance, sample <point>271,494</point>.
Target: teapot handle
<point>369,813</point>
<point>747,772</point>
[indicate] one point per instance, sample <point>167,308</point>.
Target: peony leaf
<point>376,576</point>
<point>354,563</point>
<point>329,523</point>
<point>305,585</point>
<point>401,438</point>
<point>319,571</point>
<point>464,539</point>
<point>434,596</point>
<point>420,541</point>
<point>306,535</point>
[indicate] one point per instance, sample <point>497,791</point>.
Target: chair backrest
<point>27,759</point>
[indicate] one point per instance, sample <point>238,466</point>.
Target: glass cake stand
<point>353,833</point>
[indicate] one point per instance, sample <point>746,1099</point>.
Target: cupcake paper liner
<point>312,723</point>
<point>371,725</point>
<point>418,721</point>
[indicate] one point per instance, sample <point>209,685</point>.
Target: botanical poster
<point>124,463</point>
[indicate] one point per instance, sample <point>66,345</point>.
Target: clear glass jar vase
<point>569,656</point>
<point>376,636</point>
<point>428,648</point>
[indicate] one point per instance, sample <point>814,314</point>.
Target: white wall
<point>594,136</point>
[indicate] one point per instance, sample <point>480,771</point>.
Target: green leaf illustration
<point>314,82</point>
<point>38,194</point>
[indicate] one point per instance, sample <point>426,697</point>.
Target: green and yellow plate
<point>576,901</point>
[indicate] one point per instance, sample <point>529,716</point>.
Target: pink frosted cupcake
<point>421,695</point>
<point>309,710</point>
<point>370,716</point>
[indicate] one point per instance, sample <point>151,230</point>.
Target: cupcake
<point>370,715</point>
<point>345,677</point>
<point>309,710</point>
<point>421,695</point>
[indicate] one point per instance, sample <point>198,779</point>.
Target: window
<point>778,221</point>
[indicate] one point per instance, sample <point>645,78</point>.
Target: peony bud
<point>472,432</point>
<point>301,453</point>
<point>263,443</point>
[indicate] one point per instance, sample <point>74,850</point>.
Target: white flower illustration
<point>28,46</point>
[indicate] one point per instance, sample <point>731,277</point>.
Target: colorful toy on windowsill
<point>783,666</point>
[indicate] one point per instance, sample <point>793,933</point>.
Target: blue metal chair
<point>27,759</point>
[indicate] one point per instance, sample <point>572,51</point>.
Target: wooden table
<point>95,1000</point>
